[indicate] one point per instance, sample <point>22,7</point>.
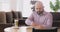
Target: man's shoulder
<point>33,12</point>
<point>48,13</point>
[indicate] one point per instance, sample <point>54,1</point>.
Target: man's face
<point>39,9</point>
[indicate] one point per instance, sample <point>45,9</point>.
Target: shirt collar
<point>42,13</point>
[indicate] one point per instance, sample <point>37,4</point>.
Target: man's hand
<point>34,24</point>
<point>37,26</point>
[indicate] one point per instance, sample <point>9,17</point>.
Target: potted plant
<point>56,6</point>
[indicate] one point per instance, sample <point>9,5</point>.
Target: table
<point>29,29</point>
<point>18,29</point>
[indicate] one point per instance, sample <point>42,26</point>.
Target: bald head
<point>39,3</point>
<point>39,7</point>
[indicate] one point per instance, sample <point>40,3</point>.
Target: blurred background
<point>24,6</point>
<point>22,9</point>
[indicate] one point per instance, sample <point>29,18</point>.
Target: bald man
<point>39,18</point>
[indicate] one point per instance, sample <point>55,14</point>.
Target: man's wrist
<point>31,23</point>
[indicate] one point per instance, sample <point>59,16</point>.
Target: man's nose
<point>38,9</point>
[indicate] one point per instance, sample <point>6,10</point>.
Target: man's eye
<point>37,8</point>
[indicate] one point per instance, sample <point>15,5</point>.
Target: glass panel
<point>5,1</point>
<point>4,5</point>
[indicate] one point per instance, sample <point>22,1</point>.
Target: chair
<point>9,17</point>
<point>2,18</point>
<point>53,29</point>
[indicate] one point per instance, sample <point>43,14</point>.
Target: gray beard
<point>39,13</point>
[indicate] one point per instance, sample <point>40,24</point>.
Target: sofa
<point>7,19</point>
<point>56,19</point>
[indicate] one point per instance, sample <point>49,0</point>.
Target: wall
<point>22,5</point>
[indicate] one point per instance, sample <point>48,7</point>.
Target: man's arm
<point>29,20</point>
<point>48,22</point>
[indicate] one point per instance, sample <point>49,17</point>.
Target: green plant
<point>56,6</point>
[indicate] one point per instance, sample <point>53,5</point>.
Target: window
<point>26,8</point>
<point>4,5</point>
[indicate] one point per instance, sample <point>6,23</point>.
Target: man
<point>39,18</point>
